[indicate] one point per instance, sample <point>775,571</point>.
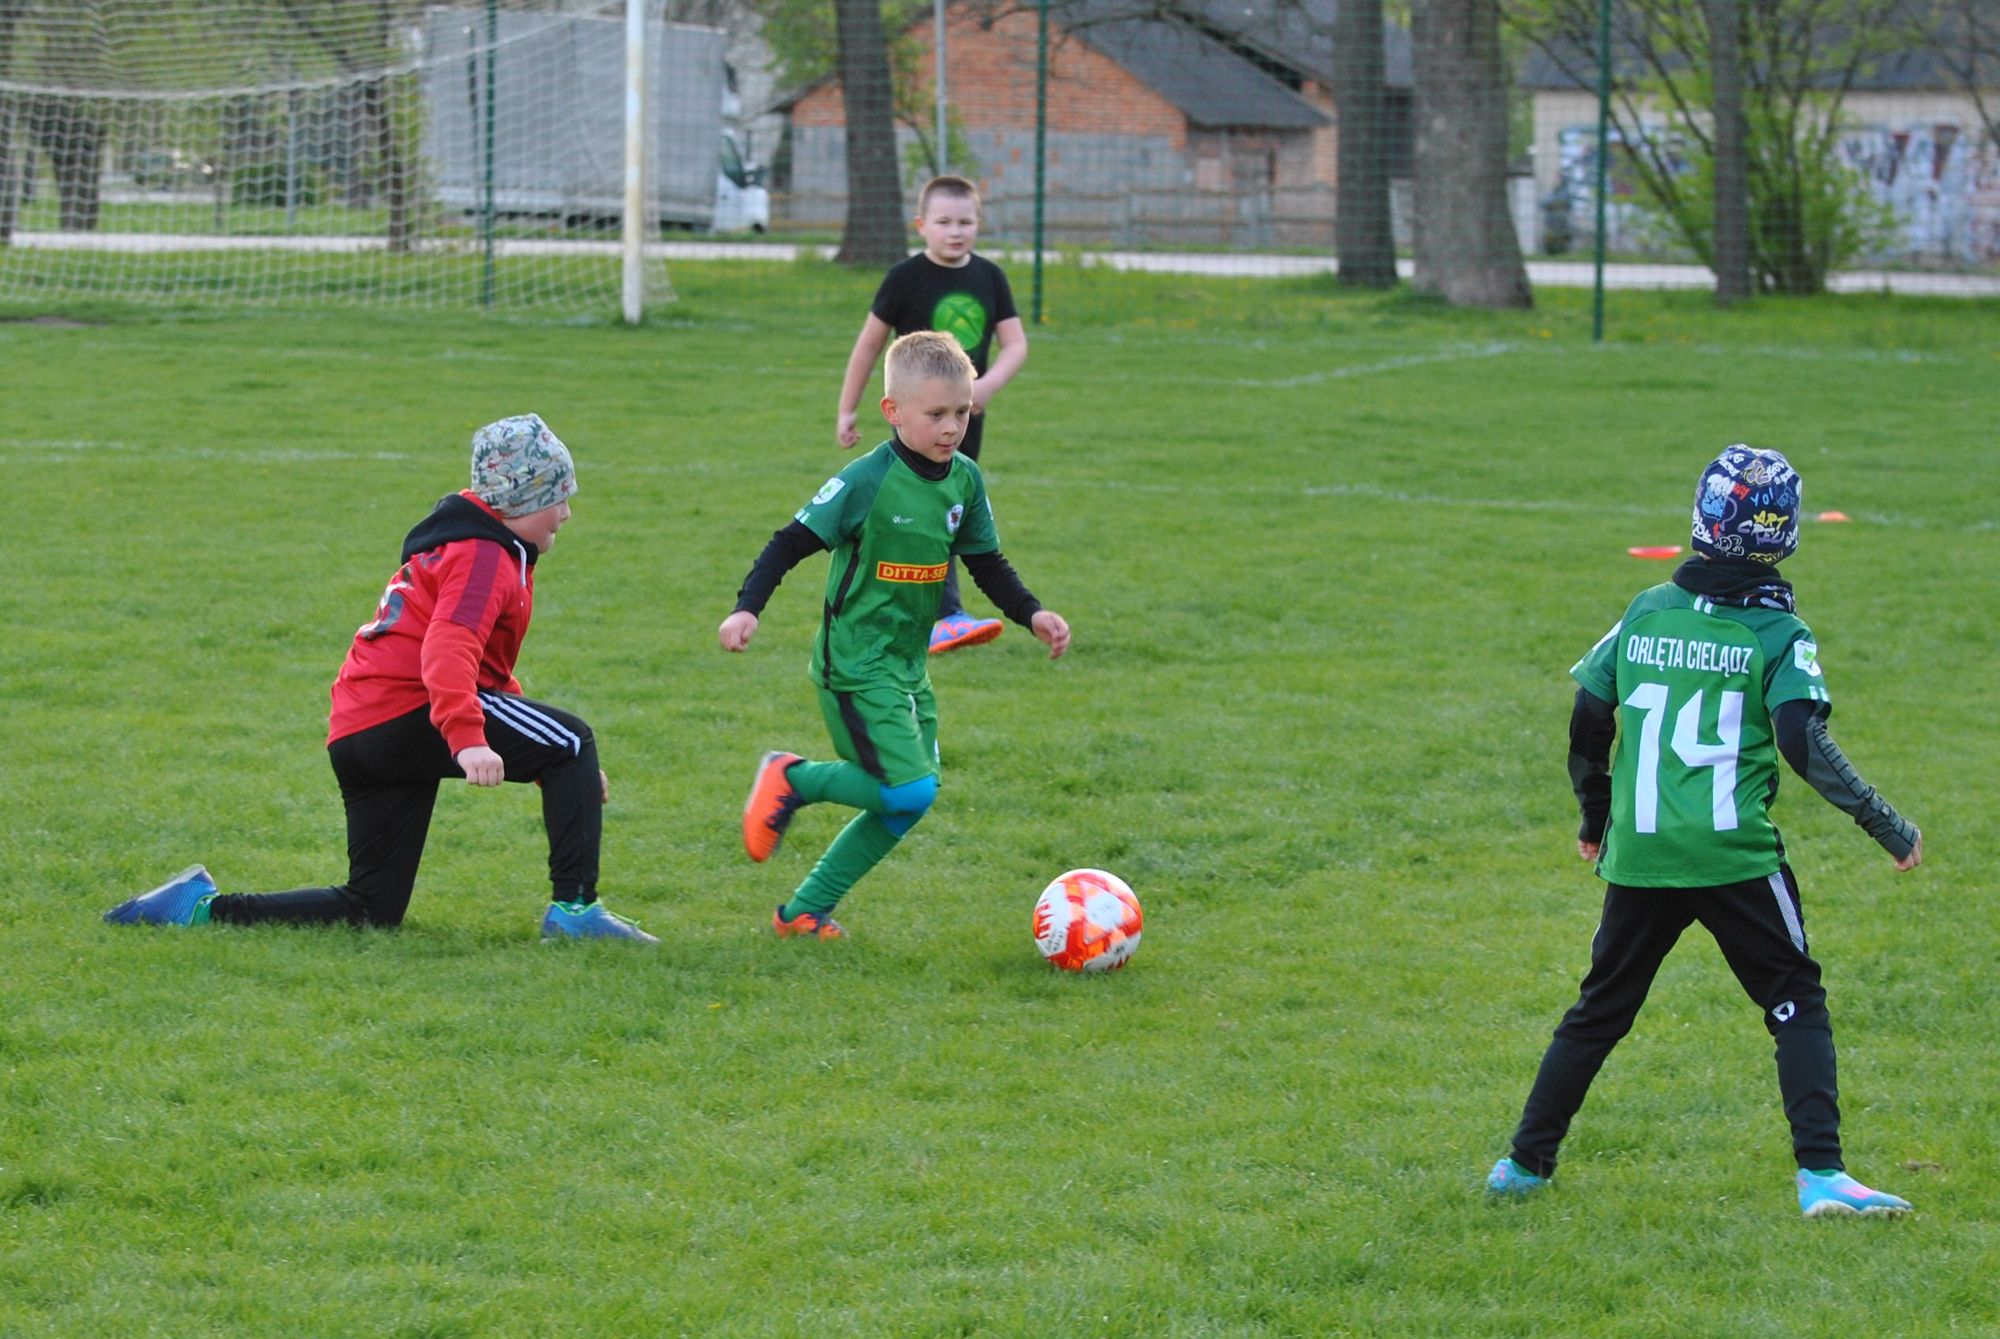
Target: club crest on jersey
<point>953,517</point>
<point>827,490</point>
<point>913,574</point>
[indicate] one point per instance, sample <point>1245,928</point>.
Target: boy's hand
<point>737,630</point>
<point>1051,628</point>
<point>846,429</point>
<point>481,765</point>
<point>603,787</point>
<point>981,393</point>
<point>1916,855</point>
<point>1587,850</point>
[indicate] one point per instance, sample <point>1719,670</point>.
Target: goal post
<point>511,154</point>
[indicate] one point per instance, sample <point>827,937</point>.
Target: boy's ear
<point>889,411</point>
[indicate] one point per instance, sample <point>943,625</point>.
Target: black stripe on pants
<point>389,775</point>
<point>857,733</point>
<point>1758,926</point>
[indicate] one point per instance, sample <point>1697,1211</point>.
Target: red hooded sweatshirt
<point>450,624</point>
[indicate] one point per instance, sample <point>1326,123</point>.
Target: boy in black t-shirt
<point>945,287</point>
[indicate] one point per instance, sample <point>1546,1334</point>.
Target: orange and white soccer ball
<point>1088,921</point>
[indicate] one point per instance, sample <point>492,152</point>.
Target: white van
<point>742,200</point>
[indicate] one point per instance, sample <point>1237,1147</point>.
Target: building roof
<point>1212,85</point>
<point>1298,35</point>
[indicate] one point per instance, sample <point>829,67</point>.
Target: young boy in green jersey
<point>947,287</point>
<point>894,519</point>
<point>1704,682</point>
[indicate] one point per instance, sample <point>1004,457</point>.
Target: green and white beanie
<point>519,466</point>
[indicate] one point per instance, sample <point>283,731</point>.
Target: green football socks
<point>841,782</point>
<point>858,849</point>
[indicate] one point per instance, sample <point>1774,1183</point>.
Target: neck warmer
<point>1736,581</point>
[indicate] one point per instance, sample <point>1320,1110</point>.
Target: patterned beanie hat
<point>519,466</point>
<point>1747,506</point>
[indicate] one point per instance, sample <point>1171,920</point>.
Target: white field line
<point>67,450</point>
<point>1543,273</point>
<point>1446,355</point>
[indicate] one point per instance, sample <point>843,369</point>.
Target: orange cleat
<point>955,630</point>
<point>807,924</point>
<point>768,811</point>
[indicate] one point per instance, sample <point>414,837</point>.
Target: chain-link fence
<point>1855,138</point>
<point>1477,149</point>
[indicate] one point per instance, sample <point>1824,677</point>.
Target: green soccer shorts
<point>888,733</point>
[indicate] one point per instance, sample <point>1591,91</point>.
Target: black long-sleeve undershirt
<point>796,542</point>
<point>999,583</point>
<point>1593,724</point>
<point>1800,730</point>
<point>787,549</point>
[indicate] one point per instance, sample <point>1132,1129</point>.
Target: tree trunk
<point>1466,247</point>
<point>10,172</point>
<point>875,233</point>
<point>72,137</point>
<point>390,163</point>
<point>1732,170</point>
<point>1363,240</point>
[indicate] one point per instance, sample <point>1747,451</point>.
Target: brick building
<point>1203,125</point>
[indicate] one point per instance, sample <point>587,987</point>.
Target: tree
<point>1963,37</point>
<point>389,132</point>
<point>849,40</point>
<point>1808,213</point>
<point>11,172</point>
<point>1363,239</point>
<point>875,230</point>
<point>1466,247</point>
<point>1732,181</point>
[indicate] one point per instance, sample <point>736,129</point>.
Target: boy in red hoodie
<point>427,693</point>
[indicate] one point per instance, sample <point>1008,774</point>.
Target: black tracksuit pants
<point>1758,927</point>
<point>389,775</point>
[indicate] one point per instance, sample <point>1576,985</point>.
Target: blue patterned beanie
<point>1747,506</point>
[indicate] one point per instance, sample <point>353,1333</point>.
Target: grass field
<point>1327,559</point>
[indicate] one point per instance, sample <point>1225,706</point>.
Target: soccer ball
<point>1088,921</point>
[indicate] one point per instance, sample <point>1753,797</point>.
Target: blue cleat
<point>175,902</point>
<point>1836,1193</point>
<point>589,920</point>
<point>1510,1180</point>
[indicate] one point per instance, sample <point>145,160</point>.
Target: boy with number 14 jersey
<point>1703,683</point>
<point>1721,670</point>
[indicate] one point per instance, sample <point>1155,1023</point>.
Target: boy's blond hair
<point>924,355</point>
<point>946,186</point>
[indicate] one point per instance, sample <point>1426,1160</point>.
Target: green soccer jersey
<point>1696,766</point>
<point>892,532</point>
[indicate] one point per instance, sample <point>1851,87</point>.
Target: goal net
<point>359,151</point>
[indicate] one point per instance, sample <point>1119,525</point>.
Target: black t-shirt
<point>966,303</point>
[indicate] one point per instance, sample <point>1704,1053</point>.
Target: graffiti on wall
<point>1941,181</point>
